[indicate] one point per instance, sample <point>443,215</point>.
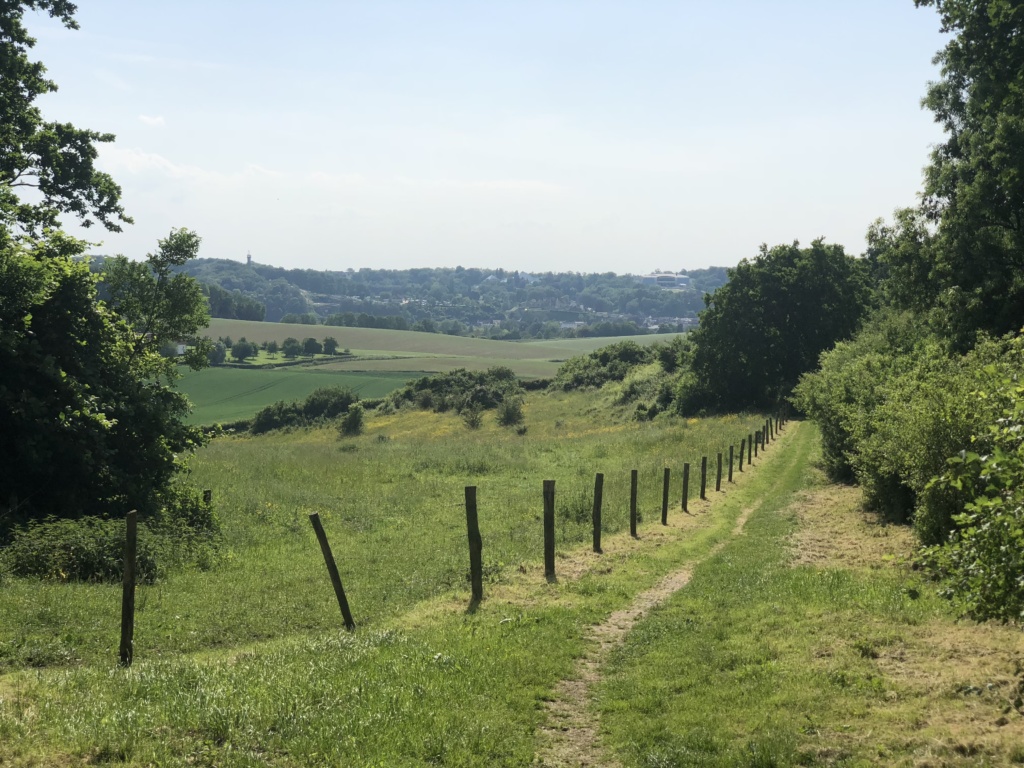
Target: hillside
<point>489,302</point>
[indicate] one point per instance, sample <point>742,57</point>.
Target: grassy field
<point>801,638</point>
<point>231,394</point>
<point>231,656</point>
<point>382,361</point>
<point>371,341</point>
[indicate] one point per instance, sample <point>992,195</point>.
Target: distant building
<point>248,259</point>
<point>665,279</point>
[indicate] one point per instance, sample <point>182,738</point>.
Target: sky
<point>536,135</point>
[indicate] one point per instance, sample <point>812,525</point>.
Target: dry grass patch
<point>837,532</point>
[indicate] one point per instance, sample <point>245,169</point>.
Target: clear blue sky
<point>535,135</point>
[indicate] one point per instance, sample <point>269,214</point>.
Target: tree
<point>89,424</point>
<point>272,348</point>
<point>53,161</point>
<point>243,350</point>
<point>330,345</point>
<point>218,354</point>
<point>769,323</point>
<point>291,347</point>
<point>311,346</point>
<point>158,303</point>
<point>974,186</point>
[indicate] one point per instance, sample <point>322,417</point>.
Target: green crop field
<point>232,394</point>
<point>382,361</point>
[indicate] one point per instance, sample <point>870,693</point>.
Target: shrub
<point>472,418</point>
<point>328,402</point>
<point>88,549</point>
<point>510,412</point>
<point>984,558</point>
<point>352,422</point>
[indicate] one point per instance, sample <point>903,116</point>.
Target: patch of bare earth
<point>572,726</point>
<point>953,691</point>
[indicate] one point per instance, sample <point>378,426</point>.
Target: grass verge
<point>809,641</point>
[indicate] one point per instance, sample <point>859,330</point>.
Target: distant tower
<point>248,259</point>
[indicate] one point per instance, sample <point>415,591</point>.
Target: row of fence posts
<point>752,443</point>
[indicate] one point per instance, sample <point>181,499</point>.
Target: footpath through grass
<point>423,680</point>
<point>810,641</point>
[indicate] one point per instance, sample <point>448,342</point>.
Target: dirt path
<point>571,730</point>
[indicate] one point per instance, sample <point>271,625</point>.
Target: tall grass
<point>391,501</point>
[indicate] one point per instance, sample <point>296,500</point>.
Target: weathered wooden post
<point>332,571</point>
<point>757,443</point>
<point>686,487</point>
<point>664,496</point>
<point>633,481</point>
<point>476,545</point>
<point>207,497</point>
<point>598,492</point>
<point>731,459</point>
<point>718,475</point>
<point>750,449</point>
<point>703,477</point>
<point>743,451</point>
<point>549,529</point>
<point>128,590</point>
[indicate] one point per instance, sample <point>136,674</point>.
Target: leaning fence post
<point>703,477</point>
<point>332,570</point>
<point>757,442</point>
<point>632,502</point>
<point>664,496</point>
<point>476,545</point>
<point>686,487</point>
<point>743,450</point>
<point>549,529</point>
<point>598,492</point>
<point>718,476</point>
<point>128,590</point>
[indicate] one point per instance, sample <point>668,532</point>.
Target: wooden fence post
<point>750,448</point>
<point>633,481</point>
<point>757,443</point>
<point>332,571</point>
<point>598,492</point>
<point>549,529</point>
<point>476,545</point>
<point>664,496</point>
<point>743,450</point>
<point>207,497</point>
<point>128,590</point>
<point>703,477</point>
<point>731,459</point>
<point>718,475</point>
<point>686,487</point>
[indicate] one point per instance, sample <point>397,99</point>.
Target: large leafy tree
<point>769,324</point>
<point>89,421</point>
<point>55,160</point>
<point>974,185</point>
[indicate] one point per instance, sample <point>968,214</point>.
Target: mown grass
<point>762,661</point>
<point>244,664</point>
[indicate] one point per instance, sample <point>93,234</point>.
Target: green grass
<point>382,361</point>
<point>760,663</point>
<point>244,664</point>
<point>231,394</point>
<point>373,340</point>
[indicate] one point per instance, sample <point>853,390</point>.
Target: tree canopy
<point>974,184</point>
<point>89,424</point>
<point>56,160</point>
<point>769,323</point>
